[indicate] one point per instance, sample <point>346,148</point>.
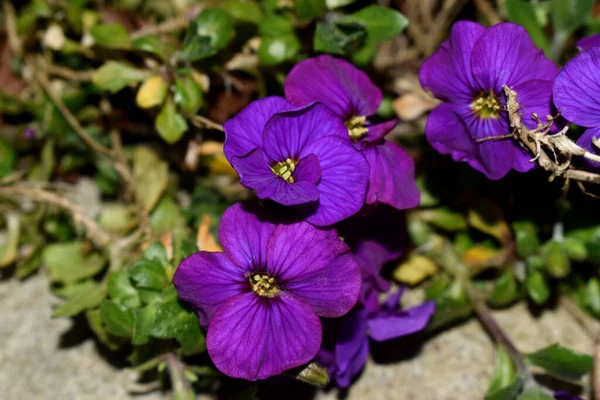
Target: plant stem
<point>182,390</point>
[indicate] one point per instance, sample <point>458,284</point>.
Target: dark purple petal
<point>565,396</point>
<point>505,55</point>
<point>536,97</point>
<point>379,131</point>
<point>315,265</point>
<point>447,73</point>
<point>206,280</point>
<point>338,84</point>
<point>286,135</point>
<point>576,89</point>
<point>392,177</point>
<point>589,42</point>
<point>255,173</point>
<point>522,161</point>
<point>308,170</point>
<point>244,233</point>
<point>585,141</point>
<point>244,132</point>
<point>447,133</point>
<point>252,337</point>
<point>390,325</point>
<point>352,347</point>
<point>392,303</point>
<point>343,185</point>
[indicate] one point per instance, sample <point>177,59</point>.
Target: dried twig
<point>170,25</point>
<point>11,29</point>
<point>201,121</point>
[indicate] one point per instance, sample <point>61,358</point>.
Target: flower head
<point>589,42</point>
<point>575,97</point>
<point>262,296</point>
<point>381,322</point>
<point>467,73</point>
<point>298,157</point>
<point>351,95</point>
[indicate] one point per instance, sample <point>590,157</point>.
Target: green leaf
<point>67,262</point>
<point>523,13</point>
<point>117,319</point>
<point>80,302</point>
<point>277,50</point>
<point>9,243</point>
<point>275,26</point>
<point>557,262</point>
<point>113,36</point>
<point>505,290</point>
<point>506,382</point>
<point>452,306</point>
<point>526,238</point>
<point>170,124</point>
<point>338,3</point>
<point>381,23</point>
<point>534,394</point>
<point>592,296</point>
<point>246,11</point>
<point>338,37</point>
<point>537,287</point>
<point>562,362</point>
<point>114,76</point>
<point>149,274</point>
<point>8,158</point>
<point>154,45</point>
<point>311,9</point>
<point>151,176</point>
<point>188,95</point>
<point>444,218</point>
<point>156,251</point>
<point>569,15</point>
<point>95,323</point>
<point>211,31</point>
<point>166,216</point>
<point>117,217</point>
<point>575,249</point>
<point>121,291</point>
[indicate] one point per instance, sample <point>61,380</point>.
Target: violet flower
<point>297,157</point>
<point>262,297</point>
<point>589,42</point>
<point>565,396</point>
<point>351,95</point>
<point>575,96</point>
<point>467,73</point>
<point>379,322</point>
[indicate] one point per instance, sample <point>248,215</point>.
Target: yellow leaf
<point>487,217</point>
<point>152,92</point>
<point>219,165</point>
<point>205,241</point>
<point>478,257</point>
<point>416,269</point>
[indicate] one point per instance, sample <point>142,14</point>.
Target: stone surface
<point>45,358</point>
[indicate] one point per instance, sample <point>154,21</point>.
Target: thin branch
<point>486,8</point>
<point>94,231</point>
<point>11,29</point>
<point>181,386</point>
<point>69,73</point>
<point>170,25</point>
<point>200,121</point>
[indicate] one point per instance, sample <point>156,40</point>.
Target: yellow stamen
<point>356,127</point>
<point>264,286</point>
<point>284,169</point>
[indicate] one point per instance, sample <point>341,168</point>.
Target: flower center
<point>285,169</point>
<point>356,127</point>
<point>486,105</point>
<point>263,285</point>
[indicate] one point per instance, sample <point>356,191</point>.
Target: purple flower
<point>467,73</point>
<point>351,95</point>
<point>261,298</point>
<point>575,90</point>
<point>297,157</point>
<point>565,396</point>
<point>589,42</point>
<point>349,353</point>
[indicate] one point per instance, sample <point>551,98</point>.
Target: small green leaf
<point>117,217</point>
<point>381,23</point>
<point>537,287</point>
<point>453,305</point>
<point>526,238</point>
<point>211,31</point>
<point>574,248</point>
<point>8,158</point>
<point>274,26</point>
<point>149,274</point>
<point>95,323</point>
<point>113,36</point>
<point>505,290</point>
<point>592,296</point>
<point>151,176</point>
<point>121,291</point>
<point>170,124</point>
<point>523,13</point>
<point>246,11</point>
<point>444,218</point>
<point>557,262</point>
<point>188,95</point>
<point>80,302</point>
<point>117,319</point>
<point>505,384</point>
<point>338,3</point>
<point>67,262</point>
<point>114,76</point>
<point>166,216</point>
<point>338,37</point>
<point>9,244</point>
<point>561,361</point>
<point>277,50</point>
<point>154,45</point>
<point>534,394</point>
<point>310,9</point>
<point>156,251</point>
<point>568,15</point>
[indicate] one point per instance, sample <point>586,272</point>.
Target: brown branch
<point>170,25</point>
<point>200,121</point>
<point>69,73</point>
<point>486,8</point>
<point>11,29</point>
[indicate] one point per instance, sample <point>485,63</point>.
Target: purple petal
<point>254,338</point>
<point>447,133</point>
<point>255,173</point>
<point>392,178</point>
<point>206,280</point>
<point>576,89</point>
<point>308,170</point>
<point>536,97</point>
<point>244,132</point>
<point>522,161</point>
<point>585,141</point>
<point>352,347</point>
<point>589,42</point>
<point>339,85</point>
<point>505,55</point>
<point>316,266</point>
<point>447,73</point>
<point>244,233</point>
<point>565,396</point>
<point>287,134</point>
<point>392,303</point>
<point>343,185</point>
<point>379,131</point>
<point>385,326</point>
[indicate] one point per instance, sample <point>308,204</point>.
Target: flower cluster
<point>318,155</point>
